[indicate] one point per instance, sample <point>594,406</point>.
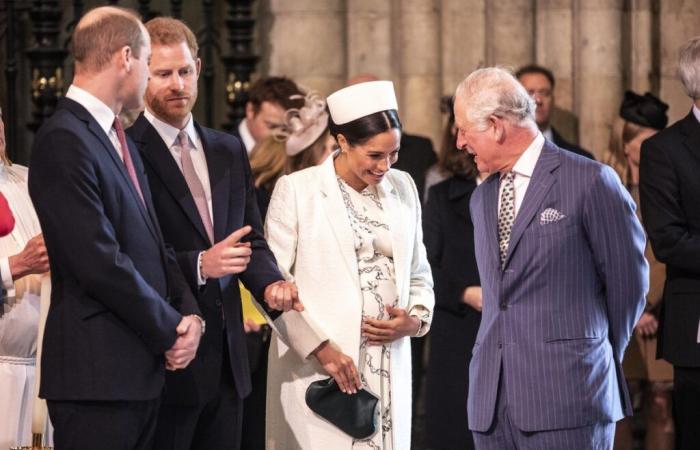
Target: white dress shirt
<point>246,137</point>
<point>103,114</point>
<point>169,135</point>
<point>696,112</point>
<point>523,169</point>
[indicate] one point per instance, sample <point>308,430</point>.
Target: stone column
<point>462,52</point>
<point>554,46</point>
<point>509,32</point>
<point>419,47</point>
<point>642,77</point>
<point>307,43</point>
<point>679,21</point>
<point>369,39</point>
<point>597,69</point>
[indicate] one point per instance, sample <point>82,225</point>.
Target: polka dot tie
<point>506,214</point>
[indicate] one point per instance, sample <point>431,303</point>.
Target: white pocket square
<point>550,215</point>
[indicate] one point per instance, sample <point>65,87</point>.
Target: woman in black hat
<point>650,380</point>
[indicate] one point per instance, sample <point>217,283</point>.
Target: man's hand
<point>227,257</point>
<point>472,297</point>
<point>340,366</point>
<point>33,259</point>
<point>398,325</point>
<point>249,326</point>
<point>647,325</point>
<point>283,296</point>
<point>184,350</point>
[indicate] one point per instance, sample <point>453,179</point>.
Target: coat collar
<point>84,115</point>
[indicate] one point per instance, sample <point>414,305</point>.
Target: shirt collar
<point>696,112</point>
<point>548,134</point>
<point>527,161</point>
<point>246,137</point>
<point>168,132</point>
<point>102,113</point>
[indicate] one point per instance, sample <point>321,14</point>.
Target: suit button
<point>218,302</point>
<point>500,345</point>
<point>503,306</point>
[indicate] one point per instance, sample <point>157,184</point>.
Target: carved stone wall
<point>596,48</point>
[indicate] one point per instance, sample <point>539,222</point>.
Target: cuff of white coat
<point>7,282</point>
<point>423,314</point>
<point>297,332</point>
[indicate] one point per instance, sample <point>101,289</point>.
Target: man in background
<point>539,83</point>
<point>268,99</point>
<point>670,200</point>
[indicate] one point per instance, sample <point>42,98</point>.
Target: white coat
<point>308,230</point>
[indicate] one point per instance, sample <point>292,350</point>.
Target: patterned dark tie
<point>126,156</point>
<point>506,214</point>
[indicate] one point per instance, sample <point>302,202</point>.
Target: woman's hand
<point>647,325</point>
<point>340,366</point>
<point>472,297</point>
<point>398,325</point>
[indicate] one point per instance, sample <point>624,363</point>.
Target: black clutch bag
<point>354,414</point>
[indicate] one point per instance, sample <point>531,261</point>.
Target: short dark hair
<point>361,130</point>
<point>275,90</point>
<point>534,68</point>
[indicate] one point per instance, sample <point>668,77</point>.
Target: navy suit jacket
<point>115,288</point>
<point>234,206</point>
<point>669,188</point>
<point>558,316</point>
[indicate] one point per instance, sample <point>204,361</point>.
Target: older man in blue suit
<point>561,259</point>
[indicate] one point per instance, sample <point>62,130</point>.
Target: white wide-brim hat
<point>360,100</point>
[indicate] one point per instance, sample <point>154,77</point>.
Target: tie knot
<point>509,177</point>
<point>182,139</point>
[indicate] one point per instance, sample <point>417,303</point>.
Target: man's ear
<point>249,111</point>
<point>199,67</point>
<point>125,57</point>
<point>498,130</point>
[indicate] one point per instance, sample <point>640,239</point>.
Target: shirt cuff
<point>423,314</point>
<point>7,282</point>
<point>201,281</point>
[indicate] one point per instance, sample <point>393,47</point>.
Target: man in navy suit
<point>120,309</point>
<point>561,260</point>
<point>204,198</point>
<point>670,199</point>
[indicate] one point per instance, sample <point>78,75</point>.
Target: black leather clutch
<point>354,414</point>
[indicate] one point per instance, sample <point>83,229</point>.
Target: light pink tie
<point>126,156</point>
<point>194,183</point>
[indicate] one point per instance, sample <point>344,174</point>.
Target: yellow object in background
<point>250,312</point>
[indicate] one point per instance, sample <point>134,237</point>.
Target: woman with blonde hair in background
<point>650,380</point>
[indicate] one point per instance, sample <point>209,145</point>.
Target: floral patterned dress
<point>378,284</point>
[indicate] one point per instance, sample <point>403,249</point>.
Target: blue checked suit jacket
<point>558,316</point>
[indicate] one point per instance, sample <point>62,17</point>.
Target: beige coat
<point>308,230</point>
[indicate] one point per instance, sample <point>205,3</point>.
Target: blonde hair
<point>267,162</point>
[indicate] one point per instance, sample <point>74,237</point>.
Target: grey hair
<point>689,67</point>
<point>495,91</point>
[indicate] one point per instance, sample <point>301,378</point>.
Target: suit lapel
<point>159,157</point>
<point>220,181</point>
<point>691,128</point>
<point>540,183</point>
<point>397,226</point>
<point>490,214</point>
<point>334,207</point>
<point>119,166</point>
